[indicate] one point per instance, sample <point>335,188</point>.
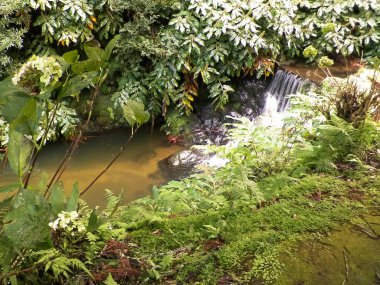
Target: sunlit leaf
<point>134,113</point>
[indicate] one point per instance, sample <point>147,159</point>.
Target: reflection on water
<point>135,171</point>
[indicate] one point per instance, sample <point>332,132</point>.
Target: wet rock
<point>181,164</point>
<point>184,163</point>
<point>363,80</point>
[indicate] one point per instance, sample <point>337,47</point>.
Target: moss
<point>251,239</point>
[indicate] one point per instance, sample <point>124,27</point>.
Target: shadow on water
<point>134,172</point>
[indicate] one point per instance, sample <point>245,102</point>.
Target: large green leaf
<point>71,56</point>
<point>109,48</point>
<point>7,89</point>
<point>19,150</point>
<point>134,113</point>
<point>94,53</point>
<point>23,113</point>
<point>27,224</point>
<point>89,65</point>
<point>77,84</point>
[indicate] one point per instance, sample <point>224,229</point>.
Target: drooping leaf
<point>109,48</point>
<point>19,150</point>
<point>134,113</point>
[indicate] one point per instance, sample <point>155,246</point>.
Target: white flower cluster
<point>69,222</point>
<point>48,66</point>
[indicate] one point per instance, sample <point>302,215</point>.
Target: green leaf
<point>76,84</point>
<point>109,48</point>
<point>94,53</point>
<point>155,192</point>
<point>19,150</point>
<point>7,89</point>
<point>57,199</point>
<point>72,203</point>
<point>109,280</point>
<point>71,56</point>
<point>93,222</point>
<point>166,261</point>
<point>23,113</point>
<point>86,66</point>
<point>26,225</point>
<point>134,113</point>
<point>9,188</point>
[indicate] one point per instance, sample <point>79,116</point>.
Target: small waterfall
<point>283,83</point>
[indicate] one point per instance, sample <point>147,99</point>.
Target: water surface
<point>134,172</point>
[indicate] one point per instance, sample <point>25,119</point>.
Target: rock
<point>181,164</point>
<point>363,79</point>
<point>369,75</point>
<point>184,163</point>
<point>363,85</point>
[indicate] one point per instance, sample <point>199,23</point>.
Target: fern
<point>109,280</point>
<point>60,264</point>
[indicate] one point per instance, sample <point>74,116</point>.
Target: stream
<point>135,172</point>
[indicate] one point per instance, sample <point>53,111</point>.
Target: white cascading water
<point>276,101</point>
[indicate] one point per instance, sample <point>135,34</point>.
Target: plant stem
<point>109,164</point>
<point>62,167</point>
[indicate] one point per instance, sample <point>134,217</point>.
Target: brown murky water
<point>135,172</point>
<point>316,74</point>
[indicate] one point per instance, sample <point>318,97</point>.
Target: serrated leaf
<point>57,199</point>
<point>72,203</point>
<point>109,280</point>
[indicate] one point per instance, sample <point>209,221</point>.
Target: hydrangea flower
<point>68,222</point>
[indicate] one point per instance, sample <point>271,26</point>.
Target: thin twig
<point>61,168</point>
<point>38,150</point>
<point>109,164</point>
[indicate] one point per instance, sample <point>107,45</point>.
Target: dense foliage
<point>170,49</point>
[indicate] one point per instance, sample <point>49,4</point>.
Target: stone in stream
<point>184,163</point>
